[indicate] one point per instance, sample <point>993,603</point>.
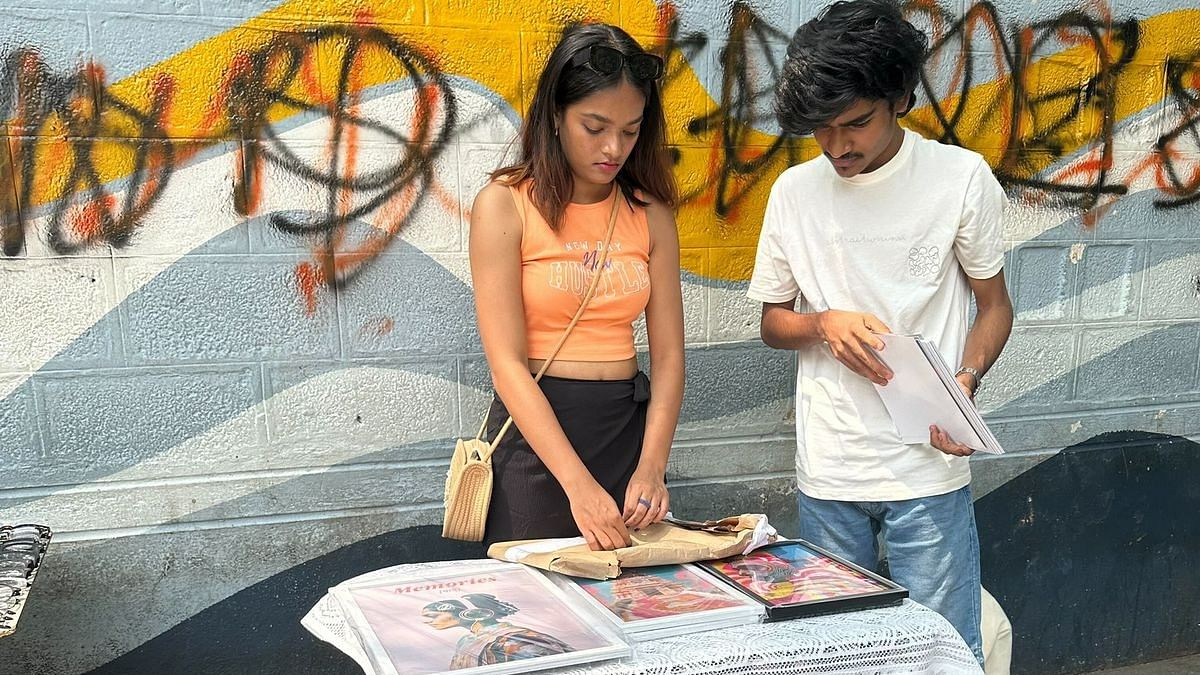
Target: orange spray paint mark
<point>89,221</point>
<point>447,201</point>
<point>666,16</point>
<point>1194,81</point>
<point>393,214</point>
<point>247,180</point>
<point>428,98</point>
<point>1089,168</point>
<point>397,210</point>
<point>248,164</point>
<point>346,194</point>
<point>363,17</point>
<point>936,21</point>
<point>94,74</point>
<point>308,76</point>
<point>310,278</point>
<point>380,326</point>
<point>238,67</point>
<point>162,91</point>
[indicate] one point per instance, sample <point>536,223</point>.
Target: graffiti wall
<point>238,336</point>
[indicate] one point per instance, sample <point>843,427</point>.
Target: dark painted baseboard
<point>257,631</point>
<point>1095,554</point>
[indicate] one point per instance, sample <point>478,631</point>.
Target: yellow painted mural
<point>322,56</point>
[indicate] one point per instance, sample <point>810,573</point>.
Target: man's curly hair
<point>854,49</point>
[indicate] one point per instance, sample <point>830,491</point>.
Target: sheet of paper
<point>917,397</point>
<point>990,444</point>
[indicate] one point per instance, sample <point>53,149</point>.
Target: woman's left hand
<point>646,499</point>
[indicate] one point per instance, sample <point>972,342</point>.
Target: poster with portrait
<point>795,578</point>
<point>500,620</point>
<point>665,600</point>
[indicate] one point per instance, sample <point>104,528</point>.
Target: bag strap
<point>587,297</point>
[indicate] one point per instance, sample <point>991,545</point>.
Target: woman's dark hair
<point>542,160</point>
<point>856,49</point>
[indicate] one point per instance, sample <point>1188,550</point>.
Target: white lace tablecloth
<point>907,638</point>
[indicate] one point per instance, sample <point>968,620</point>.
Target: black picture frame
<point>794,579</point>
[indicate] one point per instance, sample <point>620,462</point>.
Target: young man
<point>886,232</point>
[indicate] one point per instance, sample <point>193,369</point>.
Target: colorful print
<point>451,622</point>
<point>656,592</point>
<point>503,642</point>
<point>792,574</point>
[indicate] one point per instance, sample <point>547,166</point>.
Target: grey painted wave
<point>439,323</point>
<point>1159,366</point>
<point>195,334</point>
<point>1133,221</point>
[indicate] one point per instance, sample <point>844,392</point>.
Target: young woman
<point>588,449</point>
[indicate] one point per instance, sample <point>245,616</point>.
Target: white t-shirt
<point>896,243</point>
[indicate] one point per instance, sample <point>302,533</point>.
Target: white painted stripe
<point>65,535</point>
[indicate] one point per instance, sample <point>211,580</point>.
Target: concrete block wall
<point>238,335</point>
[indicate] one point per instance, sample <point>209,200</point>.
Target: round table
<point>906,638</point>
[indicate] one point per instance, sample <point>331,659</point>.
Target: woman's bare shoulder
<point>495,207</point>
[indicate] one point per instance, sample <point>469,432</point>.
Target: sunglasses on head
<point>606,61</point>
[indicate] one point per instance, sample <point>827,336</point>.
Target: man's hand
<point>967,383</point>
<point>942,441</point>
<point>849,336</point>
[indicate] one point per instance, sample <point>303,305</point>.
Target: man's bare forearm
<point>783,328</point>
<point>993,323</point>
<point>987,337</point>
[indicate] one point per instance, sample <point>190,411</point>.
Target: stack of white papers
<point>923,392</point>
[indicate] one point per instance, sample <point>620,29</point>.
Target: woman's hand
<point>646,499</point>
<point>597,518</point>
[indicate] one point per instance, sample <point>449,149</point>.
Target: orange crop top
<point>556,268</point>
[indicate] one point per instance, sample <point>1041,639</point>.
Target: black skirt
<point>603,419</point>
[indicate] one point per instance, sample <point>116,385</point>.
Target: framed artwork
<point>493,621</point>
<point>653,602</point>
<point>793,579</point>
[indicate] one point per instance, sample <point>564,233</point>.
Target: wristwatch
<point>974,376</point>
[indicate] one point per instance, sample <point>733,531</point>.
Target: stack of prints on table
<point>648,603</point>
<point>490,619</point>
<point>22,548</point>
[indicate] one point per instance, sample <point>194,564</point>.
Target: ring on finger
<point>644,502</point>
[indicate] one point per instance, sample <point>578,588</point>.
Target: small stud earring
<point>555,131</point>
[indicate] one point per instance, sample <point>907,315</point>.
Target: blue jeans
<point>931,543</point>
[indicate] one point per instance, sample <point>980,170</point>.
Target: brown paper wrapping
<point>658,544</point>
